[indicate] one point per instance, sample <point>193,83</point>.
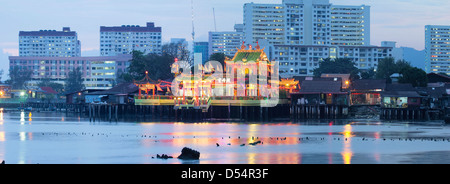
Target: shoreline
<point>274,120</point>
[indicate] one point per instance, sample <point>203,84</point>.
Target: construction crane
<point>214,14</point>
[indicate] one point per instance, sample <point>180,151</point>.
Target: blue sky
<point>402,21</point>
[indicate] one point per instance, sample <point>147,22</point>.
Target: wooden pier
<point>411,114</point>
<point>110,112</point>
<point>318,111</point>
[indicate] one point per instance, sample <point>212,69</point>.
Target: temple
<point>249,79</point>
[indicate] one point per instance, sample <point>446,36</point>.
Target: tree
<point>401,65</point>
<point>177,50</point>
<point>220,57</point>
<point>369,74</point>
<point>46,82</point>
<point>158,66</point>
<point>337,66</point>
<point>388,66</point>
<point>74,82</point>
<point>415,76</point>
<point>444,74</point>
<point>18,77</point>
<point>1,75</point>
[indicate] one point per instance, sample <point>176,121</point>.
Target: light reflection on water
<point>56,138</point>
<point>347,152</point>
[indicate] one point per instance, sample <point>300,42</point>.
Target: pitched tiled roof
<point>122,88</point>
<point>400,87</point>
<point>400,90</point>
<point>320,86</point>
<point>248,56</point>
<point>49,90</point>
<point>368,84</point>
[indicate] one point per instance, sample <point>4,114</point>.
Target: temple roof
<point>146,80</point>
<point>251,54</point>
<point>247,56</point>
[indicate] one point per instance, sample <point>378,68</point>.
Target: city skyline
<point>390,20</point>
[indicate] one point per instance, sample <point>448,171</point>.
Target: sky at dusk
<point>402,21</point>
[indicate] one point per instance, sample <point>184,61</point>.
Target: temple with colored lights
<point>247,80</point>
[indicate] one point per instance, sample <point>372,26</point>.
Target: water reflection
<point>281,143</point>
<point>347,152</point>
<point>1,116</point>
<point>22,118</point>
<point>274,158</point>
<point>2,136</point>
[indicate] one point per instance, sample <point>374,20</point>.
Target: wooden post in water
<point>90,113</point>
<point>176,114</point>
<point>240,112</point>
<point>99,112</point>
<point>260,113</point>
<point>110,111</point>
<point>93,112</point>
<point>229,111</point>
<point>116,108</point>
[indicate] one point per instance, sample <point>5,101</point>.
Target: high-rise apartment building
<point>126,38</point>
<point>301,60</point>
<point>307,22</point>
<point>437,49</point>
<point>264,21</point>
<point>350,25</point>
<point>226,42</point>
<point>202,48</point>
<point>97,72</point>
<point>300,33</point>
<point>49,43</point>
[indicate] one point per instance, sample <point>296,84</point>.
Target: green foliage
<point>415,76</point>
<point>74,82</point>
<point>388,66</point>
<point>337,66</point>
<point>158,66</point>
<point>369,74</point>
<point>18,77</point>
<point>48,83</point>
<point>177,50</point>
<point>444,74</point>
<point>219,57</point>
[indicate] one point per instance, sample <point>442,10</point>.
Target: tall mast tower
<point>193,29</point>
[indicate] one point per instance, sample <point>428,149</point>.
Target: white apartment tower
<point>350,25</point>
<point>437,49</point>
<point>126,38</point>
<point>226,42</point>
<point>301,60</point>
<point>49,43</point>
<point>307,22</point>
<point>264,21</point>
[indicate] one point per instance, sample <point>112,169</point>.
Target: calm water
<point>54,138</point>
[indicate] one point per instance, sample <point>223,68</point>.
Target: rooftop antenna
<point>193,29</point>
<point>193,33</point>
<point>214,14</point>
